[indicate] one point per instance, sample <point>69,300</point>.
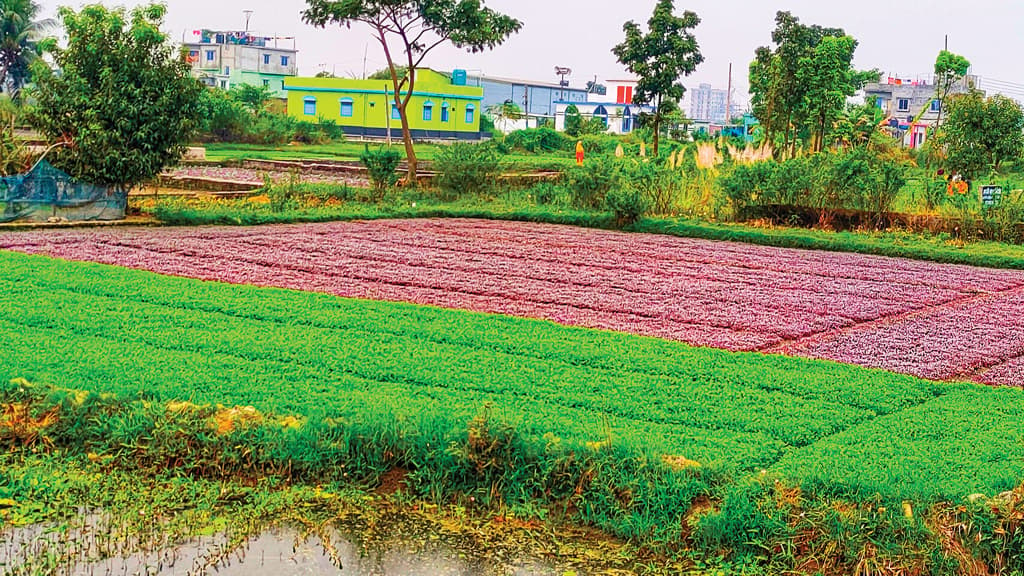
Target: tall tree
<point>950,69</point>
<point>829,79</point>
<point>660,59</point>
<point>980,133</point>
<point>123,102</point>
<point>415,27</point>
<point>777,78</point>
<point>20,35</point>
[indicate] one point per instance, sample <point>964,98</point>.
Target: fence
<point>46,194</point>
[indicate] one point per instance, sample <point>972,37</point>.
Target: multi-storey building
<point>225,58</point>
<point>911,106</point>
<point>708,105</point>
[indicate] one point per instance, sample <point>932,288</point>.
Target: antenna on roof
<point>248,15</point>
<point>562,72</point>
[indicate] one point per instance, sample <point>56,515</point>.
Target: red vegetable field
<point>931,320</point>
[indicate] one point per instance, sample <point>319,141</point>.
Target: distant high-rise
<point>708,104</point>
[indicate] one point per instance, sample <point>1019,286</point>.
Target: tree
<point>20,36</point>
<point>504,113</point>
<point>950,68</point>
<point>777,86</point>
<point>829,80</point>
<point>385,73</point>
<point>254,98</point>
<point>980,133</point>
<point>660,59</point>
<point>123,102</point>
<point>416,27</point>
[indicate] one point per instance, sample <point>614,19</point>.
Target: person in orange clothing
<point>579,153</point>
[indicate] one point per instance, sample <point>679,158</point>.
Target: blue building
<point>535,99</point>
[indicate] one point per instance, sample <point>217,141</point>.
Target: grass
<point>612,430</point>
<point>935,248</point>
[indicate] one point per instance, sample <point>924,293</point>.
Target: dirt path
<point>931,320</point>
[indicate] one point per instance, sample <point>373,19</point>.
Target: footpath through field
<point>930,320</point>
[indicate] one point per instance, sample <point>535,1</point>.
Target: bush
<point>382,165</point>
<point>538,140</point>
<point>747,185</point>
<point>627,202</point>
<point>589,183</point>
<point>466,168</point>
<point>547,193</point>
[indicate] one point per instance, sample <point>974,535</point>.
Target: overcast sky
<point>898,37</point>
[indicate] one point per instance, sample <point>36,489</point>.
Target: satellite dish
<point>562,71</point>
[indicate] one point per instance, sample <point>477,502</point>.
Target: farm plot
<point>930,320</point>
<point>137,334</point>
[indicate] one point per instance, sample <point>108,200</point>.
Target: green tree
<point>829,80</point>
<point>980,133</point>
<point>504,113</point>
<point>660,59</point>
<point>123,102</point>
<point>950,69</point>
<point>385,73</point>
<point>416,27</point>
<point>254,98</point>
<point>777,87</point>
<point>20,36</point>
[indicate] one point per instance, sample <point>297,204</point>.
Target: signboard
<point>991,196</point>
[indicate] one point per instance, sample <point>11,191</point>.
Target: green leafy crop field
<point>839,428</point>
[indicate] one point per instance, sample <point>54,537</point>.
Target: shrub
<point>546,193</point>
<point>589,183</point>
<point>628,202</point>
<point>538,140</point>
<point>463,168</point>
<point>382,164</point>
<point>747,185</point>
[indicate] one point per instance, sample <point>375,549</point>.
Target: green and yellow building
<point>440,108</point>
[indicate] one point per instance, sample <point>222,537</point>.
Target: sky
<point>900,38</point>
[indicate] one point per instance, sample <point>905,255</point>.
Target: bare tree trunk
<point>657,126</point>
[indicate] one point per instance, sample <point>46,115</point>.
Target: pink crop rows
<point>931,320</point>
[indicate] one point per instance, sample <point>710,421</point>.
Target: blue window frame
<point>346,107</point>
<point>309,106</point>
<point>470,113</point>
<point>284,60</point>
<point>266,59</point>
<point>394,112</point>
<point>444,112</point>
<point>209,55</point>
<point>936,105</point>
<point>903,104</point>
<point>428,111</point>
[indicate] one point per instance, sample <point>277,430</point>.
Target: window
<point>903,104</point>
<point>209,55</point>
<point>394,112</point>
<point>444,112</point>
<point>266,83</point>
<point>428,111</point>
<point>309,106</point>
<point>284,60</point>
<point>936,105</point>
<point>193,55</point>
<point>282,85</point>
<point>880,102</point>
<point>220,38</point>
<point>346,107</point>
<point>227,70</point>
<point>266,59</point>
<point>470,113</point>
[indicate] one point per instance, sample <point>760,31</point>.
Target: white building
<point>615,108</point>
<point>708,105</point>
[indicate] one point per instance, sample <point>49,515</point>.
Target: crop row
<point>135,333</point>
<point>939,321</point>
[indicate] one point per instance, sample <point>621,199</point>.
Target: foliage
<point>221,117</point>
<point>799,87</point>
<point>981,133</point>
<point>659,58</point>
<point>589,183</point>
<point>254,98</point>
<point>537,140</point>
<point>628,202</point>
<point>505,113</point>
<point>593,87</point>
<point>464,168</point>
<point>14,156</point>
<point>21,36</point>
<point>382,164</point>
<point>950,69</point>
<point>385,73</point>
<point>123,103</point>
<point>415,27</point>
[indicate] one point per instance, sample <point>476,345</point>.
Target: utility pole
<point>248,15</point>
<point>366,49</point>
<point>728,99</point>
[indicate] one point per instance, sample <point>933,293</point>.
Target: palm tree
<point>20,34</point>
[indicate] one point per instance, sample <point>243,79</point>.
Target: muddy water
<point>99,548</point>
